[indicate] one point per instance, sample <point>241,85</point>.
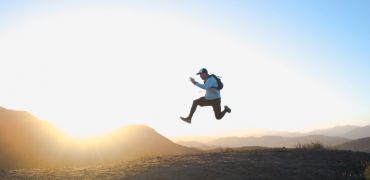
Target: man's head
<point>203,73</point>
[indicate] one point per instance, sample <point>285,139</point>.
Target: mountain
<point>25,139</point>
<point>27,142</point>
<point>360,132</point>
<point>334,131</point>
<point>143,140</point>
<point>362,145</point>
<point>277,141</point>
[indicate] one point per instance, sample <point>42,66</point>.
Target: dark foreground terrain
<point>226,164</point>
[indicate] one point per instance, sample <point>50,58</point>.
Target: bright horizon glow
<point>90,71</point>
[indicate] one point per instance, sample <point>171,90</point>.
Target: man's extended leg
<point>201,102</point>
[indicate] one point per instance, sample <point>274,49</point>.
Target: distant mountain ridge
<point>328,137</point>
<point>358,133</point>
<point>349,131</point>
<point>195,144</point>
<point>277,141</point>
<point>27,142</point>
<point>345,131</point>
<point>340,131</point>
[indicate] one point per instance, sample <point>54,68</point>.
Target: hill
<point>27,142</point>
<point>362,145</point>
<point>231,164</point>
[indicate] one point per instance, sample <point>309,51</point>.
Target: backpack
<point>220,85</point>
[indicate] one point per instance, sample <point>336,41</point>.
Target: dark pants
<point>216,105</point>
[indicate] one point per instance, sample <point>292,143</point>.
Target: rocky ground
<point>226,164</point>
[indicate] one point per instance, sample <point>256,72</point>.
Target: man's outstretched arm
<point>209,83</point>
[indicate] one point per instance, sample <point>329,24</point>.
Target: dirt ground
<point>226,164</point>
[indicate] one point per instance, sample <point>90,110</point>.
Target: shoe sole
<point>186,121</point>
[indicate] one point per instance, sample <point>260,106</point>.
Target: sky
<point>89,67</point>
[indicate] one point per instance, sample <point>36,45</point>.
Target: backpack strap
<point>214,76</point>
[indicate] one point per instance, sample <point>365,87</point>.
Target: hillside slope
<point>362,145</point>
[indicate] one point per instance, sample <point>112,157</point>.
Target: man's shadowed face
<point>203,76</point>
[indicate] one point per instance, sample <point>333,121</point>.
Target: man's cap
<point>203,70</point>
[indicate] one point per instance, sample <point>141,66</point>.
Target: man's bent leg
<point>217,109</point>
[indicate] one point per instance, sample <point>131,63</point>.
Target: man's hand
<point>192,80</point>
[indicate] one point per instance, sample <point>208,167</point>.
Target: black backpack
<point>220,85</point>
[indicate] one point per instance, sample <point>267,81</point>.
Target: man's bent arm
<point>209,83</point>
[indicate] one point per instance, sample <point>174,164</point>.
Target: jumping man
<point>212,85</point>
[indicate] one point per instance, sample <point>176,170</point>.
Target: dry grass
<point>367,171</point>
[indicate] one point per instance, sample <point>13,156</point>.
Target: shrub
<point>367,171</point>
<point>310,146</point>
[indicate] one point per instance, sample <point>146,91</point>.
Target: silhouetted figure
<point>212,85</point>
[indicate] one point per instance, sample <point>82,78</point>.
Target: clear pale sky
<point>93,66</point>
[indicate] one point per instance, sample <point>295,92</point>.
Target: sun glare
<point>84,67</point>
